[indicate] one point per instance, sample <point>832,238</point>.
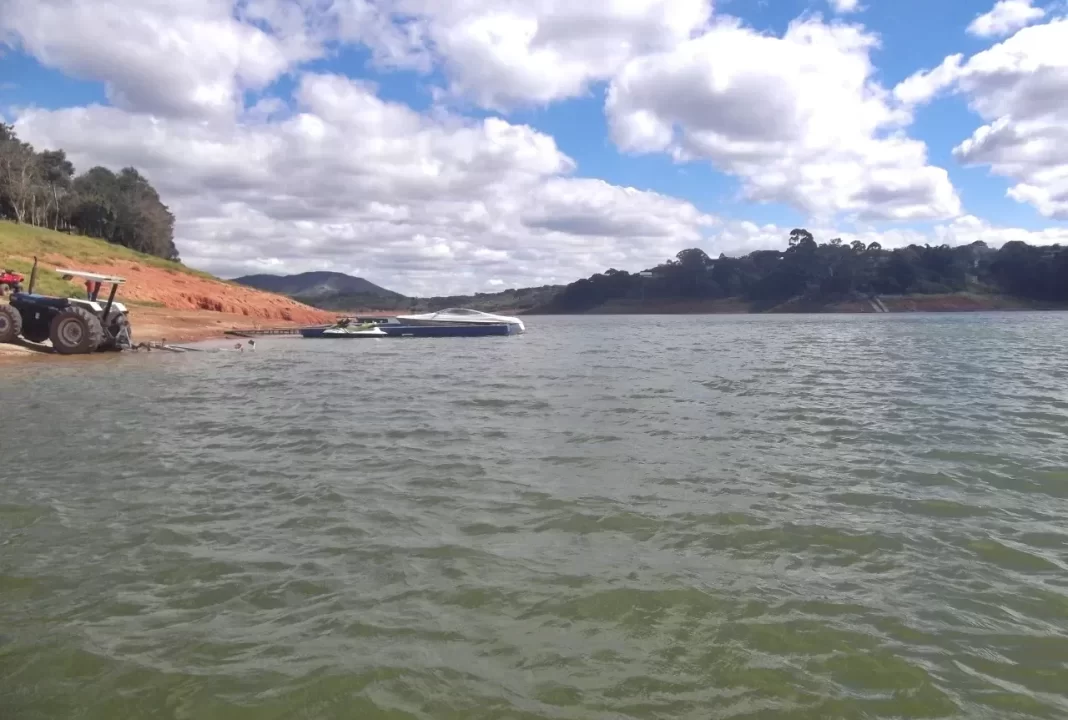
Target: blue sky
<point>44,81</point>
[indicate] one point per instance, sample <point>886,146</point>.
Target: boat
<point>462,316</point>
<point>345,330</point>
<point>448,330</point>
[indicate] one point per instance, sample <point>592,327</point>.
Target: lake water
<point>604,519</point>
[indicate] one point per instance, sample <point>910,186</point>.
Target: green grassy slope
<point>20,243</point>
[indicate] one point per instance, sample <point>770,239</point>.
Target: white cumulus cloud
<point>1019,87</point>
<point>435,204</point>
<point>192,58</point>
<point>506,53</point>
<point>845,6</point>
<point>320,172</point>
<point>799,118</point>
<point>1005,18</point>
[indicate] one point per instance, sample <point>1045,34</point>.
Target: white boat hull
<point>462,316</point>
<point>346,331</point>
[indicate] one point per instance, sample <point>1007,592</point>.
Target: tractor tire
<point>119,336</point>
<point>75,331</point>
<point>10,324</point>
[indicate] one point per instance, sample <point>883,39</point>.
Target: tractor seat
<point>45,300</point>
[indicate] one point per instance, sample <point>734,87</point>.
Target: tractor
<point>10,281</point>
<point>74,326</point>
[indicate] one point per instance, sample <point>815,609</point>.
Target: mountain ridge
<point>347,293</point>
<point>316,284</point>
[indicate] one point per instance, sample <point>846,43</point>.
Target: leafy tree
<point>18,175</point>
<point>41,189</point>
<point>815,274</point>
<point>56,170</point>
<point>799,236</point>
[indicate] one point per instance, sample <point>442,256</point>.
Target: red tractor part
<point>10,281</point>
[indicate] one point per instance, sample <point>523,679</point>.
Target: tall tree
<point>800,236</point>
<point>18,174</point>
<point>57,171</point>
<point>41,189</point>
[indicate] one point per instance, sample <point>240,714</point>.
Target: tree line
<point>822,273</point>
<point>511,300</point>
<point>41,188</point>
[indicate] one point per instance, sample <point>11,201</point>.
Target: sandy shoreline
<point>159,324</point>
<point>169,302</point>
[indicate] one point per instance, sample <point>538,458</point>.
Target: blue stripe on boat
<point>482,330</point>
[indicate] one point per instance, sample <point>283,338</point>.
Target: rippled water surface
<point>606,518</point>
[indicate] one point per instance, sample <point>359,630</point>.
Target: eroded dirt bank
<point>187,291</point>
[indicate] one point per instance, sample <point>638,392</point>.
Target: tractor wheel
<point>10,324</point>
<point>75,331</point>
<point>118,335</point>
<point>4,289</point>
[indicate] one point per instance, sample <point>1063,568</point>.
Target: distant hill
<point>337,291</point>
<point>507,301</point>
<point>320,285</point>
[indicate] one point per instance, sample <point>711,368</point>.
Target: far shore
<point>175,326</point>
<point>941,303</point>
<point>946,303</point>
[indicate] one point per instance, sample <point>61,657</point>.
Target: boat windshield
<point>459,311</point>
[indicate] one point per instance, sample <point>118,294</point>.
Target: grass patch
<point>26,241</point>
